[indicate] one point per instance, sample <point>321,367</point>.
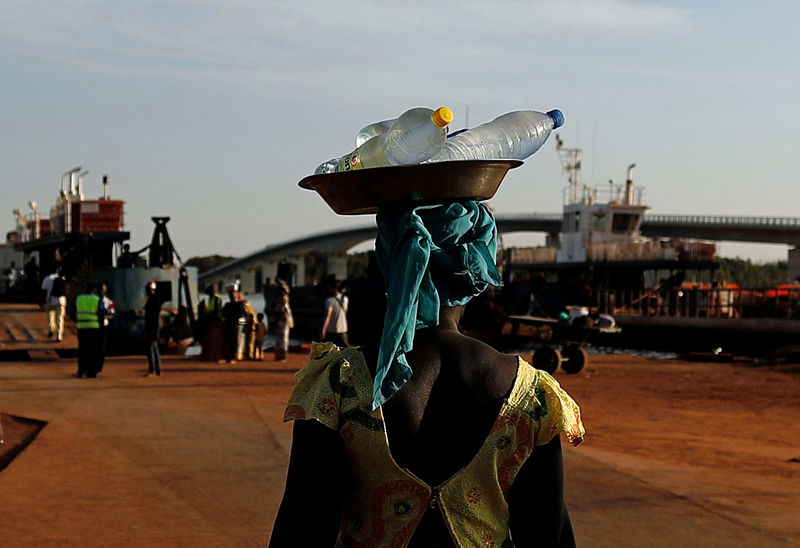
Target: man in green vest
<point>213,304</point>
<point>210,333</point>
<point>88,320</point>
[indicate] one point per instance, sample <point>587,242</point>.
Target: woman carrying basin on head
<point>430,438</point>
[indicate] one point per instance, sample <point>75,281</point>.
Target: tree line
<point>752,275</point>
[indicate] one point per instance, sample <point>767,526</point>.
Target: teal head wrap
<point>430,256</point>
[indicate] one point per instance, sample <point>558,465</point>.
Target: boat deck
<point>23,326</point>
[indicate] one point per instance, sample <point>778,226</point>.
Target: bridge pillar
<point>337,265</point>
<point>793,263</point>
<point>553,239</point>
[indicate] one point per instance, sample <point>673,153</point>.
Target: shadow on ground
<point>16,434</point>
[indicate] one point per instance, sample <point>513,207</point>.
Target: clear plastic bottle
<point>512,136</point>
<point>365,134</point>
<point>373,130</point>
<point>415,136</point>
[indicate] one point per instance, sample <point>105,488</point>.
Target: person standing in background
<point>248,332</point>
<point>152,322</point>
<point>233,318</point>
<point>11,274</point>
<point>54,301</point>
<point>88,320</point>
<point>107,310</point>
<point>270,292</point>
<point>259,331</point>
<point>284,322</point>
<point>334,328</point>
<point>211,325</point>
<point>213,309</point>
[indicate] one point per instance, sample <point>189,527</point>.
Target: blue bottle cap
<point>558,118</point>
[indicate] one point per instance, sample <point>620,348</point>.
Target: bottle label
<point>350,162</point>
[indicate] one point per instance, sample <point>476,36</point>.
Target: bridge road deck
<point>23,326</point>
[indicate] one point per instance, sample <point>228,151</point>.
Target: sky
<point>211,112</point>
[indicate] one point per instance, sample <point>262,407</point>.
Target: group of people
<point>232,331</point>
<point>281,321</point>
<point>23,280</point>
<point>243,329</point>
<point>93,310</point>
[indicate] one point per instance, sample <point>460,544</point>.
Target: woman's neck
<point>448,325</point>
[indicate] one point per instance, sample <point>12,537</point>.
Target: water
<point>651,354</point>
<point>606,350</point>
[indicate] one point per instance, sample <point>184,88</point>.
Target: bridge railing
<point>778,303</point>
<point>718,220</point>
<point>529,217</point>
<point>723,220</point>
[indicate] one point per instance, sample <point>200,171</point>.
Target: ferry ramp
<point>23,328</point>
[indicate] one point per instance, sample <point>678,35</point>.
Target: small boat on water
<point>85,238</point>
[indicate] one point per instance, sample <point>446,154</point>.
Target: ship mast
<point>571,163</point>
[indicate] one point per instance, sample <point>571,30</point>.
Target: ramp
<point>23,327</point>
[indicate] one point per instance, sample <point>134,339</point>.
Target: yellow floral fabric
<point>387,502</point>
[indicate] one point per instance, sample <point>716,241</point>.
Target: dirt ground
<point>676,453</point>
<point>724,438</point>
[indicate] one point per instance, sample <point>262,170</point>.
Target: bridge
<point>771,230</point>
<point>253,268</point>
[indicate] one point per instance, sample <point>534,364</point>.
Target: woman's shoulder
<point>476,352</point>
<point>539,395</point>
<point>488,372</point>
<point>324,355</point>
<point>333,379</point>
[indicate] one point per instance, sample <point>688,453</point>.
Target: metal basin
<point>364,191</point>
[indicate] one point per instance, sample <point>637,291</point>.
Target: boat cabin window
<point>624,223</point>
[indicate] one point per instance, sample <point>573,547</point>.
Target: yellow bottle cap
<point>442,116</point>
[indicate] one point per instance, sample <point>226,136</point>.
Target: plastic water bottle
<point>373,130</point>
<point>365,134</point>
<point>415,136</point>
<point>512,136</point>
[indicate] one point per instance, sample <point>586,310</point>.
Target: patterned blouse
<point>387,502</point>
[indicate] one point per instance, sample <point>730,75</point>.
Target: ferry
<point>663,293</point>
<point>86,238</point>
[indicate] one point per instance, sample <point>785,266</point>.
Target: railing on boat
<point>702,303</point>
